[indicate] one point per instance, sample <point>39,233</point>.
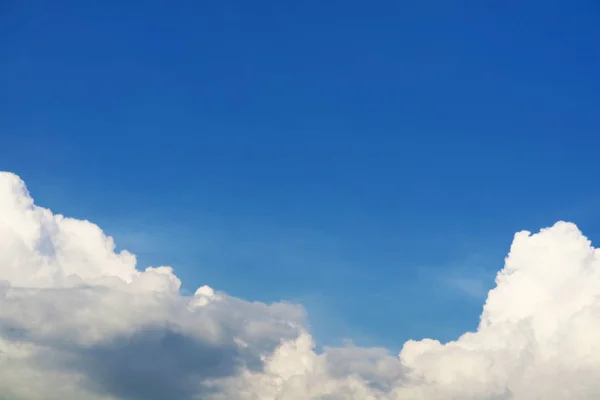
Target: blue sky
<point>371,160</point>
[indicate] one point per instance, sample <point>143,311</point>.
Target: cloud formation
<point>79,321</point>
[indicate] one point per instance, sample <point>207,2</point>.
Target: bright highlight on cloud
<point>79,321</point>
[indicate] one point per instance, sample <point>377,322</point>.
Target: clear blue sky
<point>369,159</point>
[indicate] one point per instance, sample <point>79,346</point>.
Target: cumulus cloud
<point>80,321</point>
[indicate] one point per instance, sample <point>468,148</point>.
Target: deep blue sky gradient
<point>369,159</point>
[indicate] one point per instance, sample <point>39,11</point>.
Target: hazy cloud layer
<point>79,321</point>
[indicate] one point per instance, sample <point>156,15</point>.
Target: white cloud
<point>79,321</point>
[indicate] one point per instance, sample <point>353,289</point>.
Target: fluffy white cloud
<point>79,321</point>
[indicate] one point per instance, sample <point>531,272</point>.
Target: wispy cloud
<point>473,287</point>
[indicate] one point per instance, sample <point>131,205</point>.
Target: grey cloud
<point>80,321</point>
